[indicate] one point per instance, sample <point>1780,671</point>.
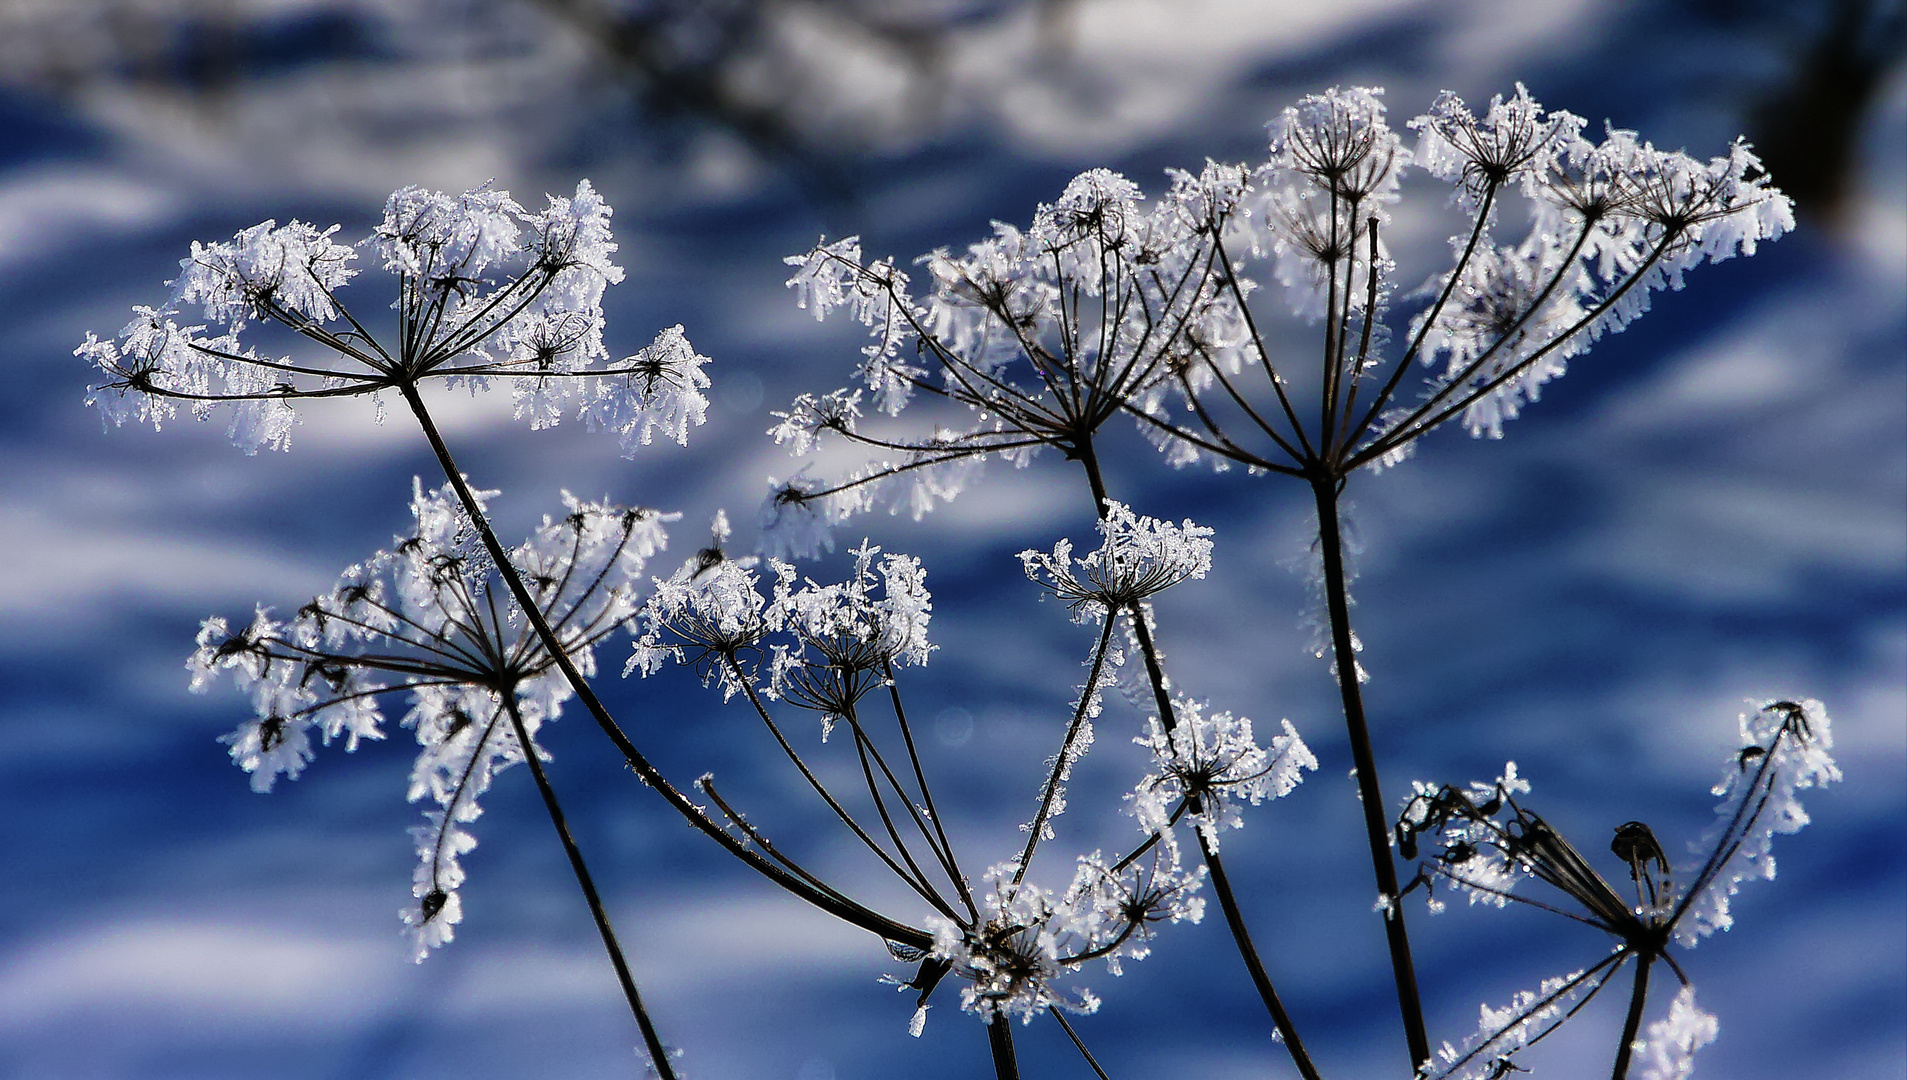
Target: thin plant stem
<point>1091,1062</point>
<point>1006,1064</point>
<point>1287,1031</point>
<point>1630,1026</point>
<point>914,881</point>
<point>1370,793</point>
<point>658,1054</point>
<point>1221,884</point>
<point>1061,762</point>
<point>927,793</point>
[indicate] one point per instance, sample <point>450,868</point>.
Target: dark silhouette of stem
<point>658,1054</point>
<point>1006,1065</point>
<point>1637,999</point>
<point>1404,972</point>
<point>1079,1045</point>
<point>1287,1031</point>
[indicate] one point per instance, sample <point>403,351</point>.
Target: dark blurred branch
<point>1808,131</point>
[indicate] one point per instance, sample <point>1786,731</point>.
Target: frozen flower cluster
<point>1487,845</point>
<point>833,643</point>
<point>485,290</point>
<point>1015,958</point>
<point>422,620</point>
<point>1209,766</point>
<point>1111,305</point>
<point>1137,558</point>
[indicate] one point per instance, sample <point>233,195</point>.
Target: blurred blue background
<point>1711,506</point>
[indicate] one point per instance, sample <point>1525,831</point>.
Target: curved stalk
<point>848,911</point>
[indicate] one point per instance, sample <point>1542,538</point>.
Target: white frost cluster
<point>1210,762</point>
<point>1503,1032</point>
<point>485,290</point>
<point>1031,940</point>
<point>1786,746</point>
<point>417,619</point>
<point>1111,304</point>
<point>826,644</point>
<point>706,616</point>
<point>1488,870</point>
<point>1668,1050</point>
<point>1137,558</point>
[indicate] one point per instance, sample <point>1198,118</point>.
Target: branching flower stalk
<point>422,618</point>
<point>1109,306</point>
<point>486,291</point>
<point>1487,844</point>
<point>824,648</point>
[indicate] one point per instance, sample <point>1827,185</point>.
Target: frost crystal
<point>1785,751</point>
<point>1668,1051</point>
<point>1210,765</point>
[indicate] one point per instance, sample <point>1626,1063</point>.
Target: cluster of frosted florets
<point>841,639</point>
<point>845,636</point>
<point>419,619</point>
<point>485,290</point>
<point>1138,557</point>
<point>1488,844</point>
<point>1030,939</point>
<point>1208,765</point>
<point>1785,748</point>
<point>1110,304</point>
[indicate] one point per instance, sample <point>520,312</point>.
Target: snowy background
<point>1709,507</point>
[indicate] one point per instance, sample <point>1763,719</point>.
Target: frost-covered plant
<point>1487,844</point>
<point>423,619</point>
<point>1108,305</point>
<point>1105,306</point>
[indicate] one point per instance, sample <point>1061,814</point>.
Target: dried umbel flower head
<point>423,619</point>
<point>1138,558</point>
<point>1487,844</point>
<point>485,290</point>
<point>1110,305</point>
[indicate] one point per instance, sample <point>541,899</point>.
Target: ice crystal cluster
<point>485,290</point>
<point>416,620</point>
<point>1139,556</point>
<point>1109,305</point>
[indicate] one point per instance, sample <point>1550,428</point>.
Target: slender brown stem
<point>1369,792</point>
<point>1637,999</point>
<point>1006,1065</point>
<point>658,1054</point>
<point>1287,1031</point>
